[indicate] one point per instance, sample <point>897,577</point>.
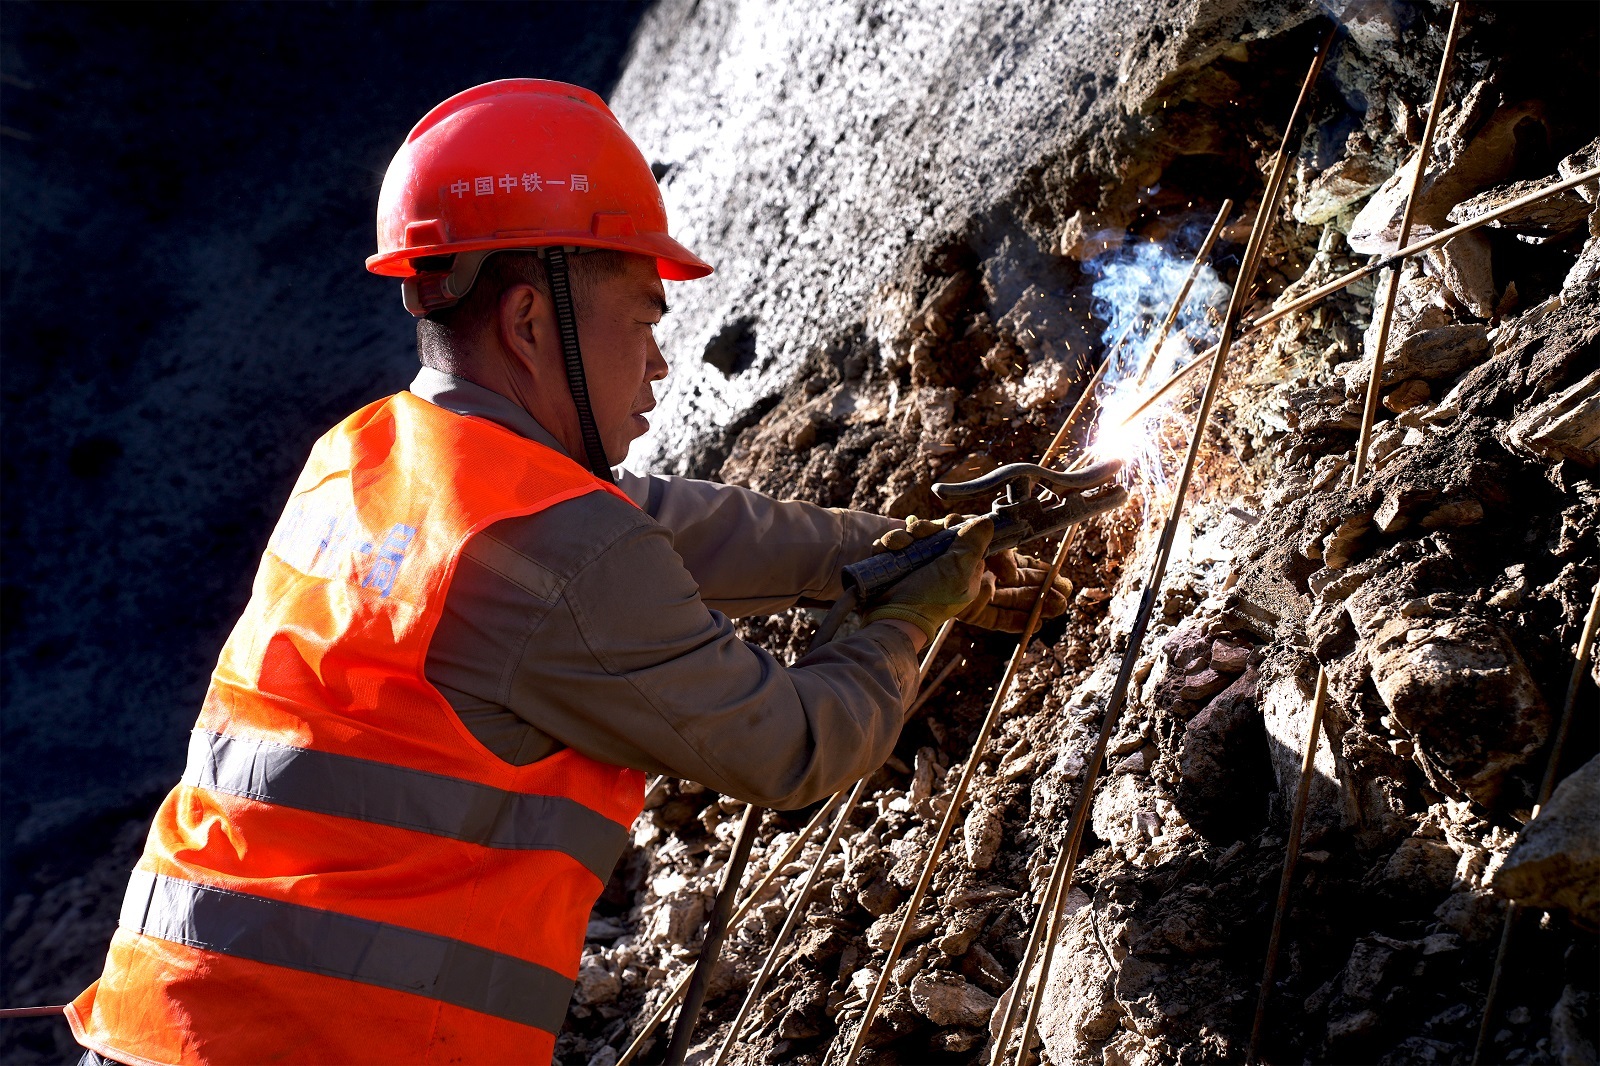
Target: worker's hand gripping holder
<point>1021,517</point>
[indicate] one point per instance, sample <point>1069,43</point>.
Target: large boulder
<point>1457,686</point>
<point>1556,863</point>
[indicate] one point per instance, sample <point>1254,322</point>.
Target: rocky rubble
<point>1443,596</point>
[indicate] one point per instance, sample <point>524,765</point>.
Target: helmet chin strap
<point>555,258</point>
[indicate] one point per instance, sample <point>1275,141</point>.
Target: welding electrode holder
<point>1020,518</point>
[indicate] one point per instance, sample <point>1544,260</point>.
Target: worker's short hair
<point>445,336</point>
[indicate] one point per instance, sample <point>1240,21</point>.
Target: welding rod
<point>1317,295</point>
<point>1547,785</point>
<point>1068,860</point>
<point>1058,442</point>
<point>1183,294</point>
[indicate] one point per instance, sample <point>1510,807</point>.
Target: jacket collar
<point>464,397</point>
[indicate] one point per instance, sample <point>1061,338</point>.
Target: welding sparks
<point>1136,284</point>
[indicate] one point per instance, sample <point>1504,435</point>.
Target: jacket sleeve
<point>580,626</point>
<point>749,553</point>
<point>631,668</point>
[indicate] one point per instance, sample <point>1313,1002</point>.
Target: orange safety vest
<point>344,873</point>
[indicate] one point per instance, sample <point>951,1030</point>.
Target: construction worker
<point>469,640</point>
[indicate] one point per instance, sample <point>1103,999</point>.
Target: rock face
<point>780,133</point>
<point>1556,862</point>
<point>1566,426</point>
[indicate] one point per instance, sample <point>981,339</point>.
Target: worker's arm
<point>580,627</point>
<point>752,554</point>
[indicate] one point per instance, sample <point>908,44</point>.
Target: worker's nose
<point>655,364</point>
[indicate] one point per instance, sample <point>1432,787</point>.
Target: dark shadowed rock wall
<point>188,194</point>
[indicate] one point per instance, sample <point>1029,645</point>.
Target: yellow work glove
<point>937,592</point>
<point>1011,582</point>
<point>1014,582</point>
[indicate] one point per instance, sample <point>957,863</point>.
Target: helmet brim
<point>674,262</point>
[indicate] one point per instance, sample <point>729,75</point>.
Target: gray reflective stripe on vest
<point>355,949</point>
<point>410,799</point>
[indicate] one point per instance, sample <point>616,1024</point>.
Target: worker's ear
<point>526,325</point>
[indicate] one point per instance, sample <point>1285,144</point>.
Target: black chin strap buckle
<point>567,325</point>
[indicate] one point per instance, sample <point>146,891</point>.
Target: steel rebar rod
<point>637,1044</point>
<point>1369,410</point>
<point>1048,904</point>
<point>1579,665</point>
<point>797,909</point>
<point>1344,281</point>
<point>1368,417</point>
<point>33,1012</point>
<point>927,693</point>
<point>1171,318</point>
<point>1297,821</point>
<point>933,650</point>
<point>1114,705</point>
<point>1547,785</point>
<point>716,928</point>
<point>957,797</point>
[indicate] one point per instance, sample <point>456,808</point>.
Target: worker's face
<point>617,317</point>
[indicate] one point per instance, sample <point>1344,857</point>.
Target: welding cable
<point>1547,785</point>
<point>1344,281</point>
<point>1078,822</point>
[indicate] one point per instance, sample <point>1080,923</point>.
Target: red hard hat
<point>522,163</point>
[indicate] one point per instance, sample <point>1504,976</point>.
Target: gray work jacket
<point>604,627</point>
